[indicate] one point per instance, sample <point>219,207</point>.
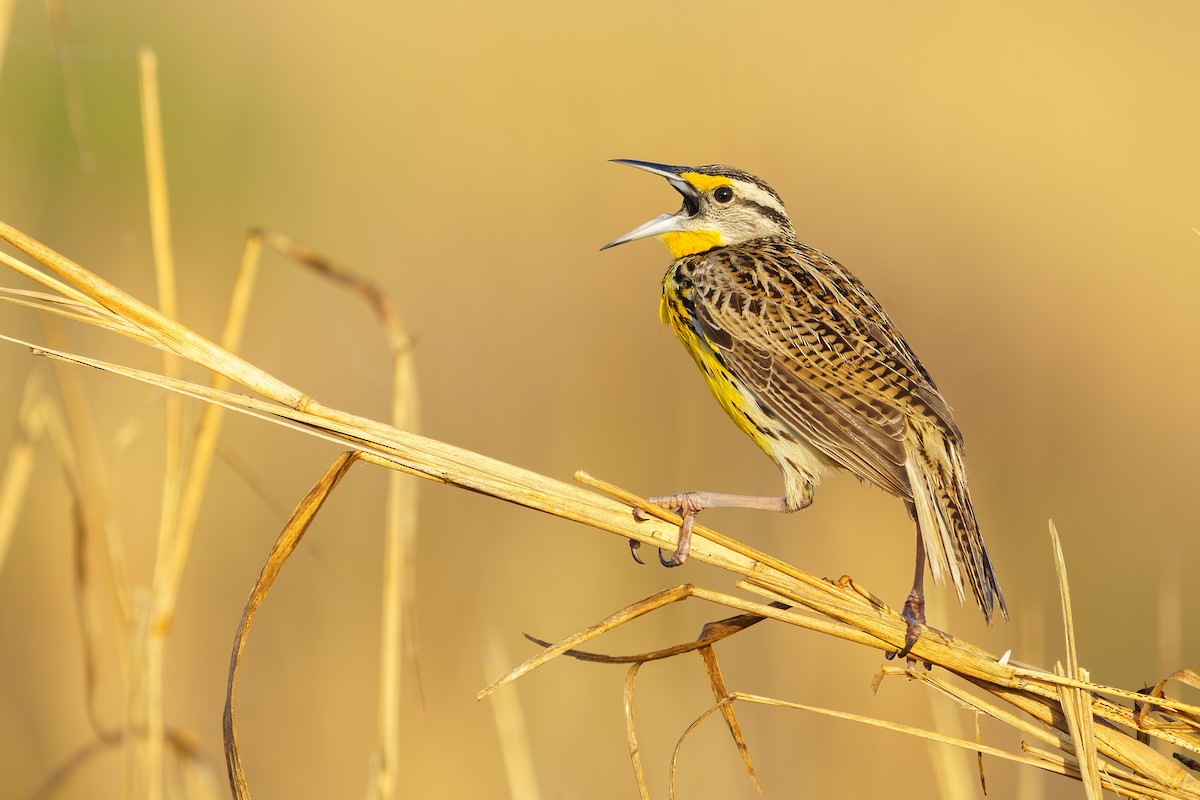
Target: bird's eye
<point>723,194</point>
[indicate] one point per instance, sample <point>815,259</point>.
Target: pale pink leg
<point>689,504</point>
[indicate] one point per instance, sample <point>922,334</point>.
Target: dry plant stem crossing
<point>400,514</point>
<point>286,543</point>
<point>839,608</point>
<point>147,622</point>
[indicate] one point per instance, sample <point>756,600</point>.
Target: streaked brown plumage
<point>809,365</point>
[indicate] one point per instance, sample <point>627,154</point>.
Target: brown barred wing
<point>818,353</point>
<point>798,365</point>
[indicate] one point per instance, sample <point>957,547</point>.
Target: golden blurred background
<point>1018,183</point>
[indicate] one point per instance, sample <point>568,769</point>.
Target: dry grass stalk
<point>635,750</point>
<point>144,630</point>
<point>285,544</point>
<point>103,595</point>
<point>6,14</point>
<point>400,526</point>
<point>142,619</point>
<point>842,608</point>
<point>145,761</point>
<point>512,735</point>
<point>34,414</point>
<point>1076,702</point>
<point>951,767</point>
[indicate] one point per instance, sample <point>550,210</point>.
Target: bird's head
<point>721,206</point>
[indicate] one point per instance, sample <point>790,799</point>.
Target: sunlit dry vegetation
<point>132,566</point>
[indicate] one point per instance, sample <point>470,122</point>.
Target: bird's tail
<point>947,520</point>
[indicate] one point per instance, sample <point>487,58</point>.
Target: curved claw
<point>687,505</point>
<point>909,641</point>
<point>634,544</point>
<point>914,614</point>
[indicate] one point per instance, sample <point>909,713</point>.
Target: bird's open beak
<point>667,223</point>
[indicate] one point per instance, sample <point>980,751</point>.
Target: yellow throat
<point>686,243</point>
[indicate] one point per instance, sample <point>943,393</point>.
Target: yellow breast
<point>801,463</point>
<point>678,310</point>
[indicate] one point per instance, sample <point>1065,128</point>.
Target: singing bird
<point>808,364</point>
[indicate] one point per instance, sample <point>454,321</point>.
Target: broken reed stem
<point>841,608</point>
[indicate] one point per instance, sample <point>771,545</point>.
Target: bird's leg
<point>689,504</point>
<point>914,606</point>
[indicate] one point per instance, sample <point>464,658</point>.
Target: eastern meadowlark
<point>810,366</point>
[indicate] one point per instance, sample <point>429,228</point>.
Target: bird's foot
<point>913,614</point>
<point>687,505</point>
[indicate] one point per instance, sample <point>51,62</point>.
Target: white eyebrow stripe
<point>760,196</point>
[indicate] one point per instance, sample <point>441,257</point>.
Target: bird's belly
<point>800,462</point>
